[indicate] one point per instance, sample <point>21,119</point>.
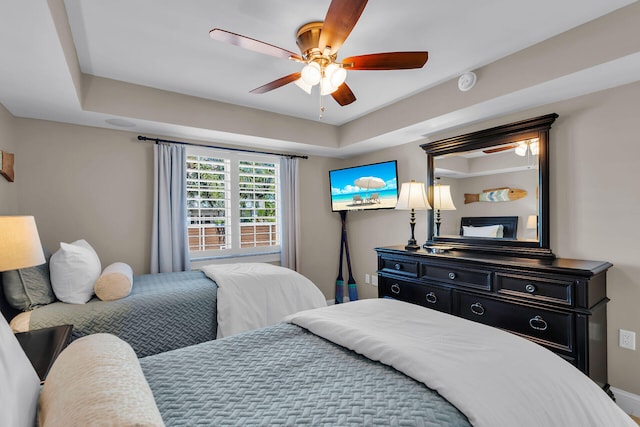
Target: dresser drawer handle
<point>452,275</point>
<point>477,308</point>
<point>538,323</point>
<point>395,288</point>
<point>397,266</point>
<point>431,298</point>
<point>529,287</point>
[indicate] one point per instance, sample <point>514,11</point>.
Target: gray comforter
<point>284,375</point>
<point>163,312</point>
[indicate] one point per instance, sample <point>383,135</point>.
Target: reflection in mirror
<point>499,181</point>
<point>442,201</point>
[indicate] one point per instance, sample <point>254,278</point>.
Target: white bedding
<point>253,295</point>
<point>495,378</point>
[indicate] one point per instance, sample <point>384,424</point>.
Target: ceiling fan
<point>319,43</point>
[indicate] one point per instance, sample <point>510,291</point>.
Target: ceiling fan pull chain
<point>321,100</point>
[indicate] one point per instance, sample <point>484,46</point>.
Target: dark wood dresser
<point>558,303</point>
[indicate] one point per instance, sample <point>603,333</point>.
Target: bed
<point>166,311</point>
<point>502,227</point>
<point>369,362</point>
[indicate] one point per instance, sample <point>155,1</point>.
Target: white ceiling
<point>165,45</point>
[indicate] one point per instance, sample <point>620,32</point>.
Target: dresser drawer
<point>406,267</point>
<point>536,288</point>
<point>480,279</point>
<point>544,326</point>
<point>426,295</point>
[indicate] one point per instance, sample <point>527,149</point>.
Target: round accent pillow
<point>97,380</point>
<point>115,282</point>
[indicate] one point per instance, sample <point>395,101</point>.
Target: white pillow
<point>97,380</point>
<point>74,269</point>
<point>19,384</point>
<point>115,282</point>
<point>486,231</point>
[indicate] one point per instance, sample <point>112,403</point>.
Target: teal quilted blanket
<point>283,375</point>
<point>164,311</point>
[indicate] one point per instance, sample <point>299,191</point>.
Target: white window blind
<point>232,203</point>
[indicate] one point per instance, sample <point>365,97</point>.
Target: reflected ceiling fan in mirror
<point>319,43</point>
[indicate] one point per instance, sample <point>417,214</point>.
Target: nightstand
<point>42,346</point>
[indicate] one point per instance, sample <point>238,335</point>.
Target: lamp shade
<point>311,73</point>
<point>336,74</point>
<point>303,85</point>
<point>532,221</point>
<point>530,145</point>
<point>442,198</point>
<point>326,88</point>
<point>20,245</point>
<point>412,196</point>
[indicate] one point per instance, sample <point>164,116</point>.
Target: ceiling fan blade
<point>340,20</point>
<point>499,149</point>
<point>386,61</point>
<point>343,95</point>
<point>277,83</point>
<point>252,44</point>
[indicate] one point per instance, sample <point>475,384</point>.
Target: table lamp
<point>412,196</point>
<point>532,223</point>
<point>20,245</point>
<point>441,201</point>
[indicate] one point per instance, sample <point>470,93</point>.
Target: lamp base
<point>438,222</point>
<point>412,245</point>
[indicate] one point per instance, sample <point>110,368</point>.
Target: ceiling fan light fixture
<point>521,149</point>
<point>311,73</point>
<point>336,74</point>
<point>303,85</point>
<point>530,145</point>
<point>326,88</point>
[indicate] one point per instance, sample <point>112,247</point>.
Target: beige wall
<point>96,184</point>
<point>87,183</point>
<point>320,229</point>
<point>8,140</point>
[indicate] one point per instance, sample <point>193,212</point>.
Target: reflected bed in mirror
<point>501,172</point>
<point>491,227</point>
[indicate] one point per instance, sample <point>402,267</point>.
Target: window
<point>233,203</point>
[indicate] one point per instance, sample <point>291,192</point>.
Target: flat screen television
<point>366,187</point>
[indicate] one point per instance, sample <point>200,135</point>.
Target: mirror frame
<point>537,127</point>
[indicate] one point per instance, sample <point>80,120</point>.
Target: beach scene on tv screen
<point>364,187</point>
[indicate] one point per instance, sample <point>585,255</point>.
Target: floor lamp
<point>442,201</point>
<point>412,197</point>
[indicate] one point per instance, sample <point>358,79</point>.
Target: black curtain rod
<point>167,141</point>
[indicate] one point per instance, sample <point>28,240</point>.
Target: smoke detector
<point>467,81</point>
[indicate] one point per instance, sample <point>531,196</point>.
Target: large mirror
<point>490,189</point>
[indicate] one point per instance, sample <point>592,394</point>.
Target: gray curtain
<point>169,239</point>
<point>290,213</point>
